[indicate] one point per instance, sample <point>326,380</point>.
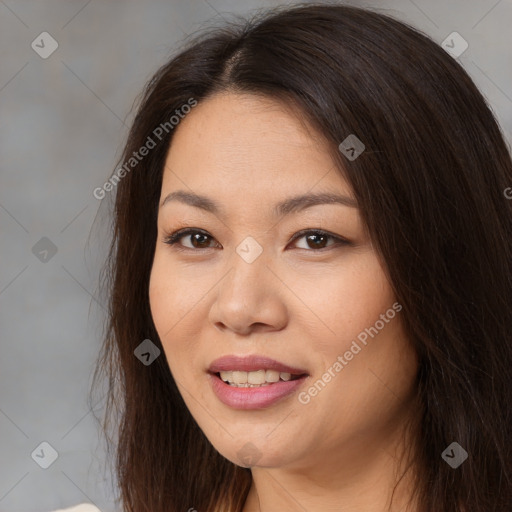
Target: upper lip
<point>251,363</point>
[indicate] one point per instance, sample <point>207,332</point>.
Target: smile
<point>253,396</point>
<point>253,381</point>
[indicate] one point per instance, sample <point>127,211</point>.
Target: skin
<point>295,303</point>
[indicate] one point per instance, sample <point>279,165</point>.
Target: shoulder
<point>84,507</point>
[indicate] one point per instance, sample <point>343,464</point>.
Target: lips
<point>252,363</point>
<point>257,396</point>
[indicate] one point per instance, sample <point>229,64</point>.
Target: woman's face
<point>245,286</point>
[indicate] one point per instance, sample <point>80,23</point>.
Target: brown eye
<point>318,239</point>
<point>198,239</point>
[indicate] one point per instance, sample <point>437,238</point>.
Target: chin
<point>246,452</point>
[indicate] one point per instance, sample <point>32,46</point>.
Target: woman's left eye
<point>316,239</point>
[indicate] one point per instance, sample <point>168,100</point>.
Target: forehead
<point>233,145</point>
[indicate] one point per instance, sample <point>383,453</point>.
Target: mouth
<point>253,382</point>
<point>253,370</point>
<point>256,379</point>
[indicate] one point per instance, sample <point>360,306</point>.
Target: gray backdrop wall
<point>70,72</point>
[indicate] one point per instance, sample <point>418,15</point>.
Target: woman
<point>310,277</point>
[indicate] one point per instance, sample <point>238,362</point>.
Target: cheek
<point>346,301</point>
<point>172,295</point>
<point>165,304</point>
<point>162,298</point>
<point>175,298</point>
<point>377,367</point>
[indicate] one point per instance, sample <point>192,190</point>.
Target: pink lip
<point>252,398</point>
<point>251,363</point>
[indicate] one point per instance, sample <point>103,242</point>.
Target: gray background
<point>63,121</point>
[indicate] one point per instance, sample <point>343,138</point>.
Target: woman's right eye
<point>199,241</point>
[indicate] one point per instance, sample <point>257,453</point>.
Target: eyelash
<point>173,239</point>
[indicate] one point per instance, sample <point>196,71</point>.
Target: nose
<point>250,298</point>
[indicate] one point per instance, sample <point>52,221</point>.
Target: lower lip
<point>253,398</point>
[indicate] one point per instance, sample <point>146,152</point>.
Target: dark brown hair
<point>430,187</point>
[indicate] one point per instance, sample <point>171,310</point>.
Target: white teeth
<point>253,379</point>
<point>226,376</point>
<point>257,377</point>
<point>272,376</point>
<point>239,377</point>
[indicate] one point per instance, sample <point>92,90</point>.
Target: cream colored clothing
<point>84,507</point>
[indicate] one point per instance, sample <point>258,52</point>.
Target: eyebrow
<point>290,205</point>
